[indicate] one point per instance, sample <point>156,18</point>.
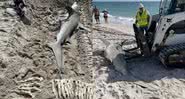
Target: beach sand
<point>146,79</point>
<point>27,63</point>
<point>125,28</point>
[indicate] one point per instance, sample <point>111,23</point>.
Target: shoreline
<point>121,30</point>
<point>112,19</point>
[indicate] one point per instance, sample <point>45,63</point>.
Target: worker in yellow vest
<point>140,28</point>
<point>142,18</point>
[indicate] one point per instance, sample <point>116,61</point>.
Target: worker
<point>140,28</point>
<point>142,19</point>
<point>96,13</point>
<point>105,15</point>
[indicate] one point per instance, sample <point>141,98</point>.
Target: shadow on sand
<point>145,69</point>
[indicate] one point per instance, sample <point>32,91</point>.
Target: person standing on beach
<point>142,18</point>
<point>105,15</point>
<point>141,27</point>
<point>96,13</point>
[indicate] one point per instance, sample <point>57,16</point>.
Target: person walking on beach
<point>96,13</point>
<point>105,15</point>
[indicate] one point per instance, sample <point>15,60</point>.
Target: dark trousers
<point>144,29</point>
<point>141,39</point>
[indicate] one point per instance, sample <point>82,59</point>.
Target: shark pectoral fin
<point>81,26</point>
<point>59,54</point>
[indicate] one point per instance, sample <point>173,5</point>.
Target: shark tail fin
<point>59,55</point>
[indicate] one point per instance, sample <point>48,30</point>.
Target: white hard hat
<point>141,5</point>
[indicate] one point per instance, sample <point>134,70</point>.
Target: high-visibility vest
<point>142,19</point>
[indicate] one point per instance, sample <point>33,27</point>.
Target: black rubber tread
<point>167,51</point>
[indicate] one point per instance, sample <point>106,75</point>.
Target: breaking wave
<point>119,19</point>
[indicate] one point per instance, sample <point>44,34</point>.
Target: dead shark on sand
<point>115,54</point>
<point>67,29</point>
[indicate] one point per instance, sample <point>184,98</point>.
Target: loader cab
<point>170,26</point>
<point>168,7</point>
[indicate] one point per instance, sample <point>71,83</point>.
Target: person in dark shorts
<point>105,15</point>
<point>96,13</point>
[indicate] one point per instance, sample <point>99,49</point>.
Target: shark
<point>71,24</point>
<point>116,55</point>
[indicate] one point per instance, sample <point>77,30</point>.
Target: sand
<point>125,28</point>
<point>146,79</point>
<point>27,64</point>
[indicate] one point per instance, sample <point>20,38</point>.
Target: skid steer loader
<point>166,34</point>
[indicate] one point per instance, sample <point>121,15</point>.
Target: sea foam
<point>118,19</point>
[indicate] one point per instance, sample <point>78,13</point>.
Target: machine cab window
<point>172,6</point>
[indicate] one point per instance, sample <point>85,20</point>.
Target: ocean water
<point>124,12</point>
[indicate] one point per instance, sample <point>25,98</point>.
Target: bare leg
<point>106,20</point>
<point>98,21</point>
